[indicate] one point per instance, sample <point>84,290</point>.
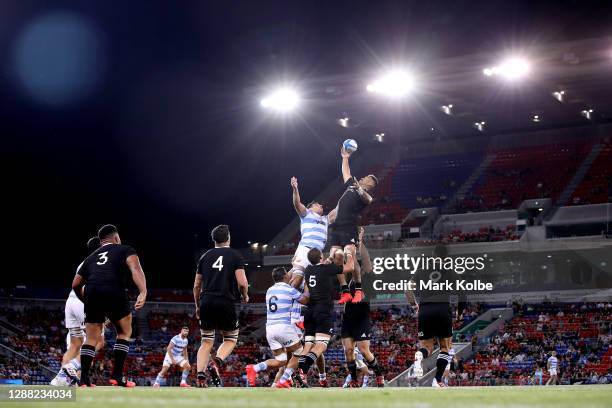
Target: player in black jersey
<point>220,282</point>
<point>344,234</point>
<point>356,328</point>
<point>321,281</point>
<point>101,283</point>
<point>434,316</point>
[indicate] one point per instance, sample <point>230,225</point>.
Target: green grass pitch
<point>469,397</point>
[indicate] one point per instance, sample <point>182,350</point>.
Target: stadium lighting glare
<point>395,84</point>
<point>480,126</point>
<point>448,109</point>
<point>587,113</point>
<point>344,122</point>
<point>511,69</point>
<point>282,100</point>
<point>379,137</point>
<point>536,118</point>
<point>559,95</point>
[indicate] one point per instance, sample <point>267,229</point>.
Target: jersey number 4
<point>218,263</point>
<point>103,258</point>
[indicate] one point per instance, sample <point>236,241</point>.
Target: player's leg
<point>184,364</point>
<point>308,359</point>
<point>351,365</point>
<point>93,332</point>
<point>352,266</point>
<point>365,374</point>
<point>206,345</point>
<point>285,381</point>
<point>161,376</point>
<point>275,338</point>
<point>334,252</point>
<point>321,369</point>
<point>215,368</point>
<point>123,325</point>
<point>444,358</point>
<point>370,360</point>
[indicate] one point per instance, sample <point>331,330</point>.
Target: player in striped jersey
<point>283,336</point>
<point>361,368</point>
<point>176,354</point>
<point>551,365</point>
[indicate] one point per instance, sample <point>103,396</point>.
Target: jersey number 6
<point>271,305</point>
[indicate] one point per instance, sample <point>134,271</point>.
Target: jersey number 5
<point>312,281</point>
<point>218,263</point>
<point>103,258</point>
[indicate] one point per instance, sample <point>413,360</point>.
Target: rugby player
<point>176,354</point>
<point>220,282</point>
<point>101,283</point>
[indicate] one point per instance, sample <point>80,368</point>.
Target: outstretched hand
<point>294,183</point>
<point>344,153</point>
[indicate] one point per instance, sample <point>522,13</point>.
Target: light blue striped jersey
<point>313,228</point>
<point>552,360</point>
<point>178,345</point>
<point>280,299</point>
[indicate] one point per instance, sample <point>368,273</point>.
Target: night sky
<point>159,130</point>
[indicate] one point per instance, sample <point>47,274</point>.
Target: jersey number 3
<point>218,263</point>
<point>103,258</point>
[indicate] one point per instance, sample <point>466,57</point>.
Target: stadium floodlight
<point>587,113</point>
<point>559,95</point>
<point>282,100</point>
<point>344,122</point>
<point>395,84</point>
<point>511,69</point>
<point>536,118</point>
<point>448,109</point>
<point>379,137</point>
<point>480,126</point>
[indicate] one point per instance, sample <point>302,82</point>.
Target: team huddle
<point>300,304</point>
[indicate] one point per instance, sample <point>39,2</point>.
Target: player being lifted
<point>283,336</point>
<point>101,284</point>
<point>344,233</point>
<point>356,327</point>
<point>313,228</point>
<point>321,280</point>
<point>434,318</point>
<point>220,282</point>
<point>74,320</point>
<point>176,354</point>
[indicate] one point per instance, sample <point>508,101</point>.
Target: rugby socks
<point>219,361</point>
<point>76,364</point>
<point>184,375</point>
<point>424,352</point>
<point>260,367</point>
<point>345,289</point>
<point>373,365</point>
<point>443,359</point>
<point>322,376</point>
<point>160,380</point>
<point>352,367</point>
<point>120,352</point>
<point>366,380</point>
<point>357,285</point>
<point>307,361</point>
<point>87,355</point>
<point>287,374</point>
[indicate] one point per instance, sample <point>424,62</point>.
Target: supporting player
<point>220,282</point>
<point>343,236</point>
<point>74,320</point>
<point>321,280</point>
<point>283,336</point>
<point>551,366</point>
<point>356,328</point>
<point>434,318</point>
<point>362,368</point>
<point>101,284</point>
<point>176,354</point>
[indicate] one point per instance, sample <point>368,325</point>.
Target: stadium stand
<point>596,186</point>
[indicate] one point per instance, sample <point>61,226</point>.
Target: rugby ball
<point>350,145</point>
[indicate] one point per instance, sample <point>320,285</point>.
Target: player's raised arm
<point>331,217</point>
<point>243,284</point>
<point>346,169</point>
<point>365,197</point>
<point>305,296</point>
<point>138,276</point>
<point>297,202</point>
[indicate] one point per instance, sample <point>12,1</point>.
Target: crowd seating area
<point>596,186</point>
<point>580,333</point>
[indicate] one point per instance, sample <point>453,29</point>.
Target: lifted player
<point>101,284</point>
<point>343,235</point>
<point>220,282</point>
<point>321,280</point>
<point>283,336</point>
<point>434,317</point>
<point>356,327</point>
<point>176,354</point>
